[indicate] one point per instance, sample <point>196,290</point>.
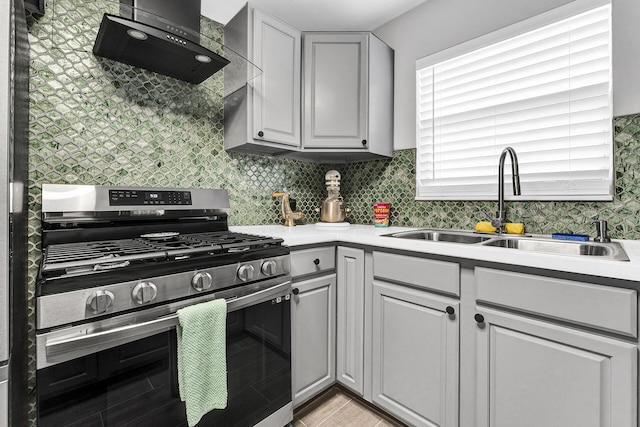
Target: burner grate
<point>229,239</point>
<point>108,254</point>
<point>94,256</point>
<point>69,252</point>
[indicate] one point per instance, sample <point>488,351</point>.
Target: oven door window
<point>136,383</point>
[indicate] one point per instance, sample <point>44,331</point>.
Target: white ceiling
<point>318,15</point>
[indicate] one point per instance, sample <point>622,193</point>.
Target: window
<point>543,87</point>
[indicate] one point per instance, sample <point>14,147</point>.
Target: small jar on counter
<point>381,214</point>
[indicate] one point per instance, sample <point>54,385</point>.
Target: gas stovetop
<point>85,257</point>
<point>109,250</point>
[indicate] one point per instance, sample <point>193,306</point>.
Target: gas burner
<point>161,237</point>
<point>237,250</point>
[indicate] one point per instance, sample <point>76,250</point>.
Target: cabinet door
<point>335,90</point>
<point>534,373</point>
<point>313,313</point>
<point>350,340</point>
<point>415,355</point>
<point>276,92</point>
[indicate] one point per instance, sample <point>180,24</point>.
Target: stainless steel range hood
<point>161,36</point>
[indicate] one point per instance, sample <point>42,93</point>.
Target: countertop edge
<point>373,236</point>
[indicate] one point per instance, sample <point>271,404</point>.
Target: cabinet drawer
<point>424,273</point>
<point>309,261</point>
<point>595,306</point>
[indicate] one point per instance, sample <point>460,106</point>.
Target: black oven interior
<point>136,383</point>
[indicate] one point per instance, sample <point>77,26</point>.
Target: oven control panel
<point>148,198</point>
<point>114,299</point>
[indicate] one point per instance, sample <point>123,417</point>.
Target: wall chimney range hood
<point>161,36</point>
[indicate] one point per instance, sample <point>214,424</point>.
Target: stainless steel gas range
<point>117,263</point>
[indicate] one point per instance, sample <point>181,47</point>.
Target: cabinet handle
<point>364,142</point>
<point>316,261</point>
<point>479,318</point>
<point>295,291</point>
<point>450,310</point>
<point>260,134</point>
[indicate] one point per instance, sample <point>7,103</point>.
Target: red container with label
<point>381,214</point>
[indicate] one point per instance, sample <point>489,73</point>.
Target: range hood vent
<point>163,36</point>
<point>145,37</point>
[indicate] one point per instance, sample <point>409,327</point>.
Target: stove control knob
<point>201,281</point>
<point>269,268</point>
<point>144,292</point>
<point>245,272</point>
<point>100,302</point>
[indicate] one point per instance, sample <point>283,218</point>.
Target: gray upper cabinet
<point>264,116</point>
<point>348,97</point>
<point>326,99</point>
<point>335,90</point>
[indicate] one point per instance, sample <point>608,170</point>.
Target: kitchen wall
<point>439,24</point>
<point>93,121</point>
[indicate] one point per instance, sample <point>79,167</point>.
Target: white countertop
<point>371,236</point>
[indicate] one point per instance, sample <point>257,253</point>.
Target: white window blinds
<point>545,92</point>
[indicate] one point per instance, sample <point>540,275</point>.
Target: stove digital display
<point>146,198</point>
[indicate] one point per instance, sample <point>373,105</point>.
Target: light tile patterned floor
<point>336,408</point>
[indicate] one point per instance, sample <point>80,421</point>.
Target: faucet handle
<point>601,231</point>
<point>499,221</point>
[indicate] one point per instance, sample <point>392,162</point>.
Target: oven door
<point>134,381</point>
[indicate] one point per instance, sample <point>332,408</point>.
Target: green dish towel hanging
<point>202,359</point>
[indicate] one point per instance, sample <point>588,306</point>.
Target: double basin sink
<point>596,250</point>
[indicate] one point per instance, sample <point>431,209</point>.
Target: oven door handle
<point>96,341</point>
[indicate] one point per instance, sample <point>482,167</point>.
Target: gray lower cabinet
<point>535,373</point>
<point>350,318</point>
<point>415,355</point>
<point>554,357</point>
<point>313,314</point>
<point>437,344</point>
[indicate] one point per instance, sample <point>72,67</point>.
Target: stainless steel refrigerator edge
<point>5,70</point>
<point>14,121</point>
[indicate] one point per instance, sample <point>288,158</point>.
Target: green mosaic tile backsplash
<point>394,181</point>
<point>94,121</point>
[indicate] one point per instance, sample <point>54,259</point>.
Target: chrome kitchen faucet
<point>501,216</point>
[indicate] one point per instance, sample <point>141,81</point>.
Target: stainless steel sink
<point>602,250</point>
<point>442,236</point>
